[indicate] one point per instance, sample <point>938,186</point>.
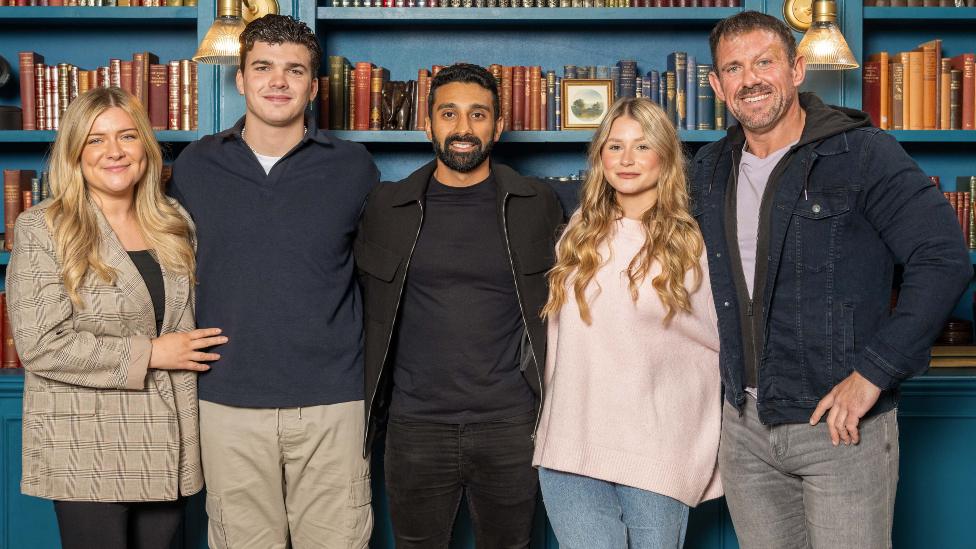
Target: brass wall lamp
<point>220,46</point>
<point>823,45</point>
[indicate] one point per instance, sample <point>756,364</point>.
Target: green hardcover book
<point>337,92</point>
<point>719,114</point>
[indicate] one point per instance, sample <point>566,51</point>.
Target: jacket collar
<point>313,134</point>
<point>414,187</point>
<point>131,284</point>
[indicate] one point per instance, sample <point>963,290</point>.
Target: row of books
<point>962,201</point>
<point>21,190</point>
<point>102,3</point>
<point>920,89</point>
<point>169,91</point>
<point>361,96</point>
<point>536,3</point>
<point>921,3</point>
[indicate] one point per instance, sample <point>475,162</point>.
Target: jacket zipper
<point>389,339</point>
<point>518,295</point>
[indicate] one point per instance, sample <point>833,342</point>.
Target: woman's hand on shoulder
<point>181,351</point>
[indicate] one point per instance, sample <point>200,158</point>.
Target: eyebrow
<point>763,53</point>
<point>454,106</point>
<point>290,65</point>
<point>119,131</point>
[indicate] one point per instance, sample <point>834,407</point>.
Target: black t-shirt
<point>457,345</point>
<point>153,276</point>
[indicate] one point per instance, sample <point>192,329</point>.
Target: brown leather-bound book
<point>186,95</point>
<point>73,83</point>
<point>11,205</point>
<point>423,86</point>
<point>64,88</point>
<point>527,104</point>
<point>518,98</point>
<point>51,94</point>
<point>505,97</point>
<point>173,100</point>
<point>27,199</point>
<point>125,77</point>
<point>945,83</point>
<point>871,91</point>
<point>361,76</point>
<point>194,96</point>
<point>323,120</point>
<point>378,75</point>
<point>884,81</point>
<point>10,359</point>
<point>496,72</point>
<point>930,79</point>
<point>967,64</point>
<point>104,77</point>
<point>350,98</point>
<point>158,97</point>
<point>40,97</point>
<point>955,99</point>
<point>28,95</point>
<point>916,85</point>
<point>140,75</point>
<point>897,96</point>
<point>115,73</point>
<point>535,99</point>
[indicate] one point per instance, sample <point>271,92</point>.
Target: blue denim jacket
<point>847,207</point>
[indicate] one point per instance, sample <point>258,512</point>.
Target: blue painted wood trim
<point>130,15</point>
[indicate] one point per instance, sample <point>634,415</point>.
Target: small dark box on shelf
<point>11,118</point>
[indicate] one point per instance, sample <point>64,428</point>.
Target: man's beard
<point>762,120</point>
<point>458,161</point>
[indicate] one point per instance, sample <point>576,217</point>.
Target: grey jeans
<point>788,487</point>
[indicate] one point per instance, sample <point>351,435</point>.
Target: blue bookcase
<point>938,411</point>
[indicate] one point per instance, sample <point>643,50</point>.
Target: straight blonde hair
<point>73,223</point>
<point>672,235</point>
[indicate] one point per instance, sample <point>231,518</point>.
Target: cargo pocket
<point>216,537</point>
<point>359,516</point>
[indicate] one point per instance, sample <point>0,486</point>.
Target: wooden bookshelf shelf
<point>566,136</point>
<point>958,15</point>
<point>137,15</point>
<point>47,136</point>
<point>934,136</point>
<point>550,17</point>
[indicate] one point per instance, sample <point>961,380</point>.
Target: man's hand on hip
<point>848,401</point>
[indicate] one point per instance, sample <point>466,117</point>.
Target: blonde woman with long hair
<point>628,438</point>
<point>100,295</point>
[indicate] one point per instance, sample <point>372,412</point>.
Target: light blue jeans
<point>587,513</point>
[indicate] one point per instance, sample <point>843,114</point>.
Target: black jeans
<point>127,525</point>
<point>430,465</point>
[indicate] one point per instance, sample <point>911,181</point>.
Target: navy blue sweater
<point>275,267</point>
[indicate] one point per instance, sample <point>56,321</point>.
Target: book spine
<point>115,73</point>
<point>945,83</point>
<point>35,187</point>
<point>28,60</point>
<point>350,98</point>
<point>706,99</point>
<point>897,96</point>
<point>173,97</point>
<point>64,88</point>
<point>40,97</point>
<point>527,99</point>
<point>955,99</point>
<point>10,359</point>
<point>871,91</point>
<point>158,97</point>
<point>518,98</point>
<point>720,122</point>
<point>186,94</point>
<point>505,93</point>
<point>376,99</point>
<point>672,103</point>
<point>535,105</point>
<point>551,100</point>
<point>126,79</point>
<point>324,90</point>
<point>929,80</point>
<point>195,95</point>
<point>362,90</point>
<point>691,102</point>
<point>559,104</point>
<point>73,83</point>
<point>336,91</point>
<point>51,93</point>
<point>916,94</point>
<point>11,205</point>
<point>140,78</point>
<point>969,93</point>
<point>423,87</point>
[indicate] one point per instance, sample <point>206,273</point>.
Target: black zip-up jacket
<point>530,217</point>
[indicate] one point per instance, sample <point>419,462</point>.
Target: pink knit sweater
<point>629,400</point>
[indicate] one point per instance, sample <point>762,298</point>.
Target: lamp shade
<point>823,45</point>
<point>221,45</point>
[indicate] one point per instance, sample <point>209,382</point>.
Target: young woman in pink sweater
<point>628,438</point>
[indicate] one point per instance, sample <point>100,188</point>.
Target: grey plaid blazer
<point>97,425</point>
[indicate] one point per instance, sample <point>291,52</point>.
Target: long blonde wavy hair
<point>74,223</point>
<point>672,235</point>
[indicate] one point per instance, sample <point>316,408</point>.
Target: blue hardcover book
<point>678,65</point>
<point>706,99</point>
<point>691,80</point>
<point>615,77</point>
<point>551,100</point>
<point>654,84</point>
<point>662,92</point>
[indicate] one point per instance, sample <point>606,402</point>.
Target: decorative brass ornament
<point>256,9</point>
<point>798,14</point>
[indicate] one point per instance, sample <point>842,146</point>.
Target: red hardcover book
<point>323,102</point>
<point>361,75</point>
<point>125,77</point>
<point>140,75</point>
<point>518,98</point>
<point>40,97</point>
<point>28,60</point>
<point>158,97</point>
<point>964,220</point>
<point>27,199</point>
<point>11,205</point>
<point>173,99</point>
<point>423,86</point>
<point>194,96</point>
<point>967,64</point>
<point>10,359</point>
<point>378,75</point>
<point>505,93</point>
<point>535,100</point>
<point>871,91</point>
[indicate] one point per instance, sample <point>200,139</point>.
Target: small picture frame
<point>585,102</point>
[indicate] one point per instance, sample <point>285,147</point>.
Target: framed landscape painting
<point>585,102</point>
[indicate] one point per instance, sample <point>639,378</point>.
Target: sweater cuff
<point>140,350</point>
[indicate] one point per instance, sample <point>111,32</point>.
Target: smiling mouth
<point>628,175</point>
<point>277,98</point>
<point>755,98</point>
<point>462,146</point>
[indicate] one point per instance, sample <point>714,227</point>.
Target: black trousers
<point>127,525</point>
<point>429,466</point>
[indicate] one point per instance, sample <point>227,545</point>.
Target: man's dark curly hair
<point>749,21</point>
<point>278,29</point>
<point>465,73</point>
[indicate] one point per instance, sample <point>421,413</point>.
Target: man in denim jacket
<point>806,209</point>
